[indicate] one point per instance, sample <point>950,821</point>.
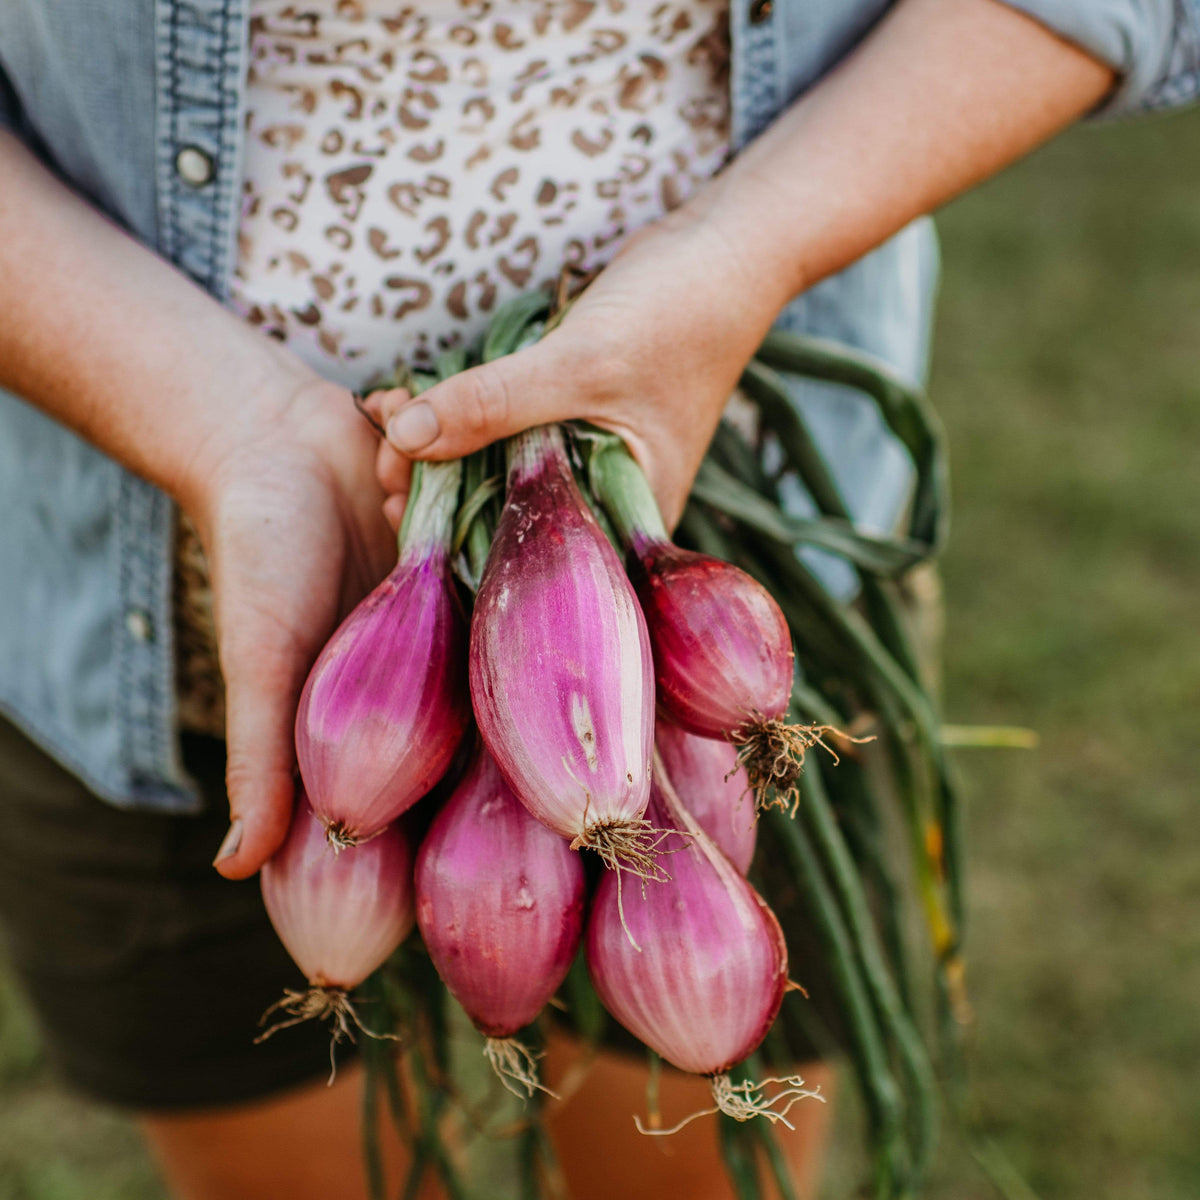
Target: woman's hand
<point>941,95</point>
<point>651,351</point>
<point>291,522</point>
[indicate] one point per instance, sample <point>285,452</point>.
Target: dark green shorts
<point>148,972</point>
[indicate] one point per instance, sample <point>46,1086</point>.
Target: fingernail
<point>413,427</point>
<point>233,839</point>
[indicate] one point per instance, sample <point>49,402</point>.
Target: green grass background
<point>1066,368</point>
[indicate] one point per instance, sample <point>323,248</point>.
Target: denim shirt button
<point>194,166</point>
<point>139,624</point>
<point>760,11</point>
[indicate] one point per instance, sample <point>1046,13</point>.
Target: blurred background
<point>1067,369</point>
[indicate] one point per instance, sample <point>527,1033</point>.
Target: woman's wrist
<point>256,396</point>
<point>738,219</point>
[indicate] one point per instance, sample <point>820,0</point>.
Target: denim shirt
<point>138,105</point>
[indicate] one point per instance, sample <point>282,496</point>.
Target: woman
<point>849,122</point>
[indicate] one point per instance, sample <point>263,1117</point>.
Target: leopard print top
<point>408,167</point>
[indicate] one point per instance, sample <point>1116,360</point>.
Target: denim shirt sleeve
<point>1154,45</point>
<point>8,104</point>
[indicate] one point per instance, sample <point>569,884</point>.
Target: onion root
<point>341,838</point>
<point>744,1101</point>
<point>626,846</point>
<point>320,1003</point>
<point>772,754</point>
<point>515,1066</point>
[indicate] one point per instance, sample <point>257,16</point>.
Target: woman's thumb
<point>480,406</point>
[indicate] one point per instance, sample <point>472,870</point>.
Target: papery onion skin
<point>723,658</point>
<point>339,915</point>
<point>711,971</point>
<point>500,902</point>
<point>386,703</point>
<point>713,788</point>
<point>560,666</point>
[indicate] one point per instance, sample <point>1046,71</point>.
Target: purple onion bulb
<point>722,648</point>
<point>560,666</point>
<point>713,787</point>
<point>339,915</point>
<point>708,972</point>
<point>500,902</point>
<point>386,703</point>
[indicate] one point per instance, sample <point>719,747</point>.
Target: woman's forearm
<point>112,341</point>
<point>943,94</point>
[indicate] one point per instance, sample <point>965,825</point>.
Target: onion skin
<point>711,972</point>
<point>340,915</point>
<point>722,648</point>
<point>500,902</point>
<point>386,703</point>
<point>562,679</point>
<point>713,787</point>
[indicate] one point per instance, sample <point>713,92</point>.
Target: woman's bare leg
<point>603,1156</point>
<point>303,1145</point>
<point>307,1143</point>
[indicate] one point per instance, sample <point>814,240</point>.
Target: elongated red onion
<point>707,777</point>
<point>500,906</point>
<point>340,915</point>
<point>723,658</point>
<point>707,975</point>
<point>561,674</point>
<point>386,703</point>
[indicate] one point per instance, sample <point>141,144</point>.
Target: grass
<point>1066,369</point>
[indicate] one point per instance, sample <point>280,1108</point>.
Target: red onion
<point>560,667</point>
<point>722,648</point>
<point>339,915</point>
<point>707,777</point>
<point>500,905</point>
<point>723,658</point>
<point>386,703</point>
<point>707,975</point>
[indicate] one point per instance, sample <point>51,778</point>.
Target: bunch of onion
<point>695,965</point>
<point>565,663</point>
<point>723,659</point>
<point>386,705</point>
<point>339,915</point>
<point>560,666</point>
<point>500,906</point>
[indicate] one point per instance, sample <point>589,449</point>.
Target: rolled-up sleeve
<point>1153,45</point>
